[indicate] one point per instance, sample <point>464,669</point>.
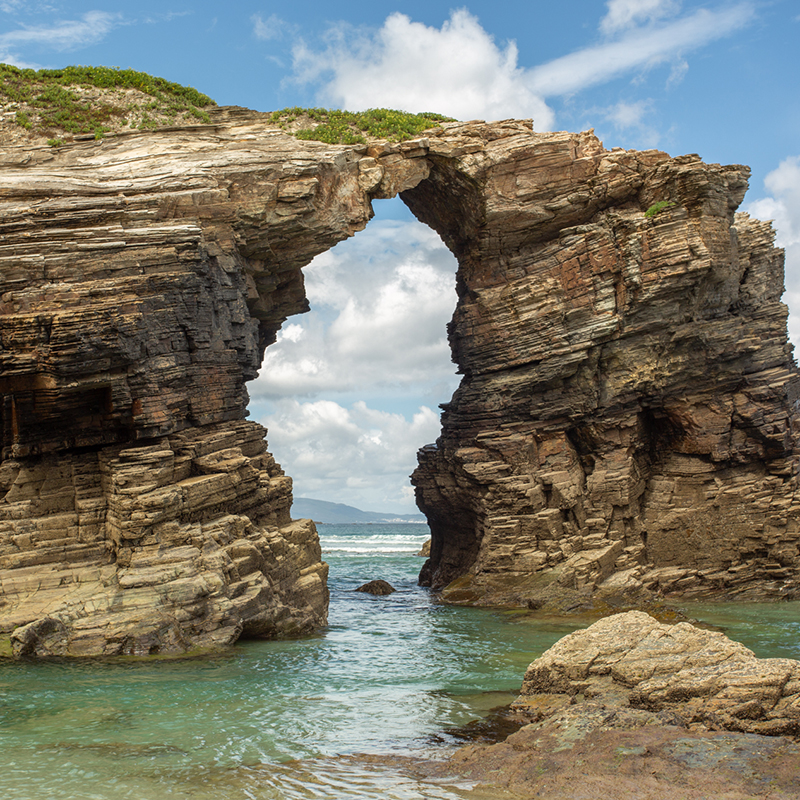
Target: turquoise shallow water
<point>284,719</point>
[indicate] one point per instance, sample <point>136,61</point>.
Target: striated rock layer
<point>142,277</point>
<point>626,419</point>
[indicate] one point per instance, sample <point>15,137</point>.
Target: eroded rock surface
<point>693,676</point>
<point>626,422</point>
<point>633,708</point>
<point>141,278</point>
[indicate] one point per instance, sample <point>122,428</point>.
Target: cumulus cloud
<point>477,78</point>
<point>368,454</point>
<point>380,304</point>
<point>783,207</point>
<point>474,77</point>
<point>65,35</point>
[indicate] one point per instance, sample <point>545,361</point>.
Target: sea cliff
<point>625,422</point>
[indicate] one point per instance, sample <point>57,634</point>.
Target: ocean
<point>326,716</point>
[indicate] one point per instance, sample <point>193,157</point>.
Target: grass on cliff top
<point>95,100</point>
<point>350,127</point>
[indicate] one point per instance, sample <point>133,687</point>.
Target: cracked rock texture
<point>694,676</point>
<point>632,708</point>
<point>625,422</point>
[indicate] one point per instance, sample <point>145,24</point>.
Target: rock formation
<point>377,587</point>
<point>693,676</point>
<point>142,277</point>
<point>626,418</point>
<point>632,708</point>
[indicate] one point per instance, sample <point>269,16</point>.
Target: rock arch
<point>143,276</point>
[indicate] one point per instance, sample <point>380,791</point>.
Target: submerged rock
<point>377,587</point>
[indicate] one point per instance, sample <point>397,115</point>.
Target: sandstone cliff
<point>626,417</point>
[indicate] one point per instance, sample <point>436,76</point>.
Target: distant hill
<point>332,513</point>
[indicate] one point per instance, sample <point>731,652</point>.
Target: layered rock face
<point>142,278</point>
<point>627,418</point>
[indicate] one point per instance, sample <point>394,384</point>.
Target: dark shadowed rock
<point>627,421</point>
<point>378,587</point>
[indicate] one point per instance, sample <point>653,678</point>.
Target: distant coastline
<point>326,513</point>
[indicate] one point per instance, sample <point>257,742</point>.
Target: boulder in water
<point>378,587</point>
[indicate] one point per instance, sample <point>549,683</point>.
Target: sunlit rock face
<point>142,277</point>
<point>625,423</point>
<point>627,419</point>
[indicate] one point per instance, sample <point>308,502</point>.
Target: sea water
<point>317,717</point>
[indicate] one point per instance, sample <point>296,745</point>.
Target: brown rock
<point>696,676</point>
<point>378,587</point>
<point>634,709</point>
<point>625,424</point>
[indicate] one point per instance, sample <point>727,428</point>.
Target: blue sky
<point>351,389</point>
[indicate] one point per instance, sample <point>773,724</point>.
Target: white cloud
<point>65,35</point>
<point>457,69</point>
<point>783,207</point>
<point>627,115</point>
<point>630,118</point>
<point>638,48</point>
<point>460,70</point>
<point>624,14</point>
<point>357,455</point>
<point>271,28</point>
<point>380,304</point>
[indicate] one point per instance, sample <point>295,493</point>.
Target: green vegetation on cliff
<point>95,100</point>
<point>59,104</point>
<point>349,127</point>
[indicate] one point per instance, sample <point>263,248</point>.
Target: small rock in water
<point>378,587</point>
<point>425,551</point>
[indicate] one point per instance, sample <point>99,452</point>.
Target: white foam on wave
<point>372,544</point>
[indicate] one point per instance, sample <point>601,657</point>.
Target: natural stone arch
<point>144,275</point>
